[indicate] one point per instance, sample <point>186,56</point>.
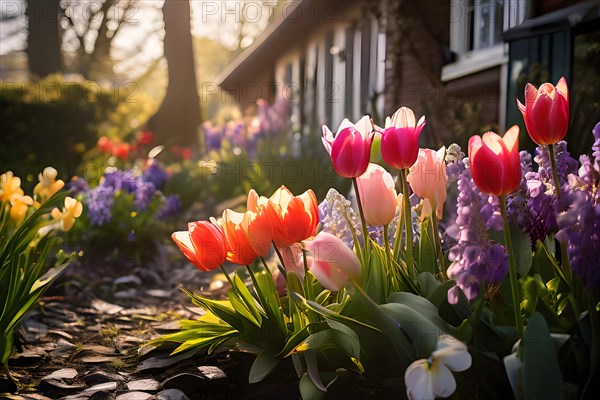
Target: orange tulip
<point>295,218</point>
<point>247,236</point>
<point>203,244</point>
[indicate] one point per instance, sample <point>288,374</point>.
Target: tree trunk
<point>178,118</point>
<point>43,40</point>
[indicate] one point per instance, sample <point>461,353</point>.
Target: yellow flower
<point>66,217</point>
<point>10,187</point>
<point>48,185</point>
<point>19,208</point>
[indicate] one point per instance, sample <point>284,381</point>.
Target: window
<point>476,28</point>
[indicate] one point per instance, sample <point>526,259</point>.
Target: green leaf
<point>541,372</point>
<point>374,278</point>
<point>427,258</point>
<point>265,362</point>
<point>440,293</point>
<point>331,338</point>
<point>427,283</point>
<point>308,390</point>
<point>522,249</point>
<point>242,309</point>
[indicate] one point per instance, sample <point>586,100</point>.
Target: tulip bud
<point>400,141</point>
<point>334,264</point>
<point>546,112</point>
<point>495,163</point>
<point>378,195</point>
<point>350,150</point>
<point>427,178</point>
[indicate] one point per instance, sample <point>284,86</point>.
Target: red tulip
<point>294,218</point>
<point>546,112</point>
<point>495,162</point>
<point>105,145</point>
<point>350,149</point>
<point>145,138</point>
<point>203,244</point>
<point>400,141</point>
<point>121,150</point>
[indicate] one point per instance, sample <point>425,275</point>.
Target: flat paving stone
<point>134,396</point>
<point>96,377</point>
<point>212,372</point>
<point>64,373</point>
<point>149,385</point>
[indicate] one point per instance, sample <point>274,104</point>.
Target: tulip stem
<point>228,277</point>
<point>408,225</point>
<point>512,271</point>
<point>564,256</point>
<point>554,170</point>
<point>437,244</point>
<point>363,221</point>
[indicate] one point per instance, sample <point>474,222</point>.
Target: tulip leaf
<point>308,390</point>
<point>253,306</point>
<point>242,309</point>
<point>374,278</point>
<point>427,283</point>
<point>265,362</point>
<point>522,249</point>
<point>440,293</point>
<point>219,308</point>
<point>295,339</point>
<point>422,332</point>
<point>427,254</point>
<point>331,338</point>
<point>541,372</point>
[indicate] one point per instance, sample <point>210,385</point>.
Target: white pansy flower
<point>432,377</point>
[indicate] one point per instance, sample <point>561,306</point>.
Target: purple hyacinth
<point>144,194</point>
<point>579,222</point>
<point>121,180</point>
<point>476,260</point>
<point>596,145</point>
<point>335,214</point>
<point>155,175</point>
<point>99,204</point>
<point>77,186</point>
<point>171,206</point>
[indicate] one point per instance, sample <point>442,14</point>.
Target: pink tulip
<point>400,142</point>
<point>294,259</point>
<point>378,195</point>
<point>495,162</point>
<point>350,150</point>
<point>427,178</point>
<point>546,112</point>
<point>334,264</point>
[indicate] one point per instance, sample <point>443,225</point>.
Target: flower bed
<point>490,265</point>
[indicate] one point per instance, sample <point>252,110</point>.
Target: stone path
<point>85,342</point>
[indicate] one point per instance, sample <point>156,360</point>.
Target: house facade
<point>459,62</point>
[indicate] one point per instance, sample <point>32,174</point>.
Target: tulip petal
<point>562,87</point>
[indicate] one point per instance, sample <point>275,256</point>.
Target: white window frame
<point>470,62</point>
